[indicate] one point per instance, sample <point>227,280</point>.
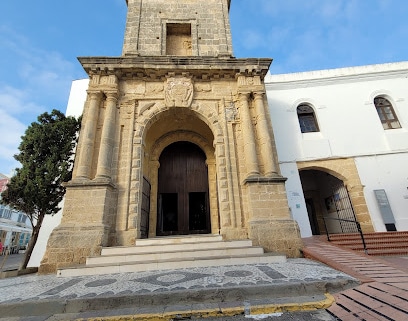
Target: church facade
<point>176,139</point>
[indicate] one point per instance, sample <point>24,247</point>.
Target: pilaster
<point>251,158</point>
<point>264,137</point>
<point>87,144</point>
<point>103,170</point>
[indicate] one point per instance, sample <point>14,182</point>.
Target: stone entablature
<point>154,68</point>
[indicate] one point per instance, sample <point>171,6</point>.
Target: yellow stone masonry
<point>144,102</point>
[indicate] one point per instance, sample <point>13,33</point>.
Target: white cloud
<point>32,81</point>
<point>11,130</point>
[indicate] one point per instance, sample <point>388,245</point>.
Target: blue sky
<point>40,40</point>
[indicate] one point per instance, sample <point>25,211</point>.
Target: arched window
<point>307,119</point>
<point>386,113</point>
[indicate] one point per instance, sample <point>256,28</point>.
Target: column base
<point>229,233</point>
<point>70,245</point>
<point>126,238</point>
<point>282,236</point>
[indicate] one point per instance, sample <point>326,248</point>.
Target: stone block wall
<point>146,32</point>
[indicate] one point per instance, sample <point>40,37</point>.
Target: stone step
<point>174,254</point>
<point>385,243</point>
<point>165,253</point>
<point>377,244</point>
<point>170,264</point>
<point>194,238</point>
<point>144,247</point>
<point>369,236</point>
<point>386,252</point>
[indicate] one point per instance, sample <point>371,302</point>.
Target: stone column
<point>248,136</point>
<point>154,181</point>
<point>88,136</point>
<point>108,137</point>
<point>265,139</point>
<point>212,197</point>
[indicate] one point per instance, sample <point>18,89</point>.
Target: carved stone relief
<point>154,88</point>
<point>178,92</point>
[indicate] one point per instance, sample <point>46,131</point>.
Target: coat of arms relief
<point>178,92</point>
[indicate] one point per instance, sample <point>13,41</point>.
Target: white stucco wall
<point>75,106</point>
<point>295,196</point>
<point>388,172</point>
<point>343,101</point>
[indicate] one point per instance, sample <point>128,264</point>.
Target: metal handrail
<point>350,221</point>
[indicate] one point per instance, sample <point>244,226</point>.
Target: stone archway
<point>344,173</point>
<point>168,130</point>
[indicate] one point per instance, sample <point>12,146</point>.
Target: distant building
<point>15,226</point>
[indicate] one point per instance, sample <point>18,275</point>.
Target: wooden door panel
<point>182,171</point>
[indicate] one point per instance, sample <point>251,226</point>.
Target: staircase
<point>377,244</point>
<point>167,253</point>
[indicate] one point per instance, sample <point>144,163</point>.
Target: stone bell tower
<point>176,139</point>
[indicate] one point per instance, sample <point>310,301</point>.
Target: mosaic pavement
<point>39,287</point>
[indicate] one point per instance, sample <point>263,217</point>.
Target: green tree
<point>46,156</point>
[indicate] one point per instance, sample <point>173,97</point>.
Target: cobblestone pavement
<point>384,294</point>
<point>40,287</point>
<point>298,284</point>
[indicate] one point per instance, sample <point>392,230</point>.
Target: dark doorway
<point>312,216</point>
<point>144,222</point>
<point>183,191</point>
<point>328,203</point>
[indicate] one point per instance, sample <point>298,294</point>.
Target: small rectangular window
<point>178,40</point>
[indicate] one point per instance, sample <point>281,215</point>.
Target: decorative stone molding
<point>149,68</point>
<point>178,92</point>
<point>230,112</point>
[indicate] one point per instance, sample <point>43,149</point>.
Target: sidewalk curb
<point>269,295</point>
<point>226,309</point>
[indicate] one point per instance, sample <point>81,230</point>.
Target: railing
<point>357,224</point>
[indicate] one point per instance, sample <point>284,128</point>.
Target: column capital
<point>259,94</point>
<point>155,164</point>
<point>95,94</point>
<point>210,162</point>
<point>111,95</point>
<point>244,95</point>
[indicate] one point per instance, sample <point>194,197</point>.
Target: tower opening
<point>178,39</point>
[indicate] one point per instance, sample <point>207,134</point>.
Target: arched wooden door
<point>183,191</point>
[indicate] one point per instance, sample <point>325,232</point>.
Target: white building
<point>343,126</point>
<point>15,226</point>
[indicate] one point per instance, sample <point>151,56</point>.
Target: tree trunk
<point>33,241</point>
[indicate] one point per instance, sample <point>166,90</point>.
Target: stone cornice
<point>130,67</point>
<point>229,3</point>
<point>265,180</point>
